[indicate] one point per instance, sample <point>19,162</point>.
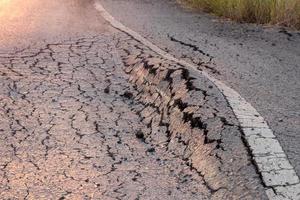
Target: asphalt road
<point>73,126</point>
<point>24,23</point>
<point>261,63</point>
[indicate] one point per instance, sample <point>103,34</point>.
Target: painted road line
<point>279,177</point>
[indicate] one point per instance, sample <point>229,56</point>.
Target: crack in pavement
<point>200,57</point>
<point>72,128</point>
<point>279,177</point>
<point>78,124</point>
<point>198,123</point>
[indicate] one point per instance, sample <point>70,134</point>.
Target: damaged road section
<point>200,127</point>
<point>71,128</point>
<point>279,177</point>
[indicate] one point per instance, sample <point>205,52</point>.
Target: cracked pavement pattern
<point>78,124</point>
<point>260,63</point>
<point>200,127</point>
<point>71,128</point>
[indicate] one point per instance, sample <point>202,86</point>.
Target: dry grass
<point>282,12</point>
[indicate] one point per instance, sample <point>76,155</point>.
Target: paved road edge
<point>279,177</point>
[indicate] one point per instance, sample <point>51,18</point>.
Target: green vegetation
<point>282,12</point>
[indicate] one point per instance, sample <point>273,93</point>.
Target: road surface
<point>87,112</point>
<point>262,64</point>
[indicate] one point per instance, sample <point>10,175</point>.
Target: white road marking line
<point>278,175</point>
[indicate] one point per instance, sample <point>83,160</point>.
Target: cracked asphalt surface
<point>69,129</point>
<point>261,63</point>
<point>87,112</point>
